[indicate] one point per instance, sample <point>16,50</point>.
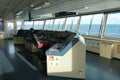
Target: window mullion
<point>90,24</point>
<point>104,25</point>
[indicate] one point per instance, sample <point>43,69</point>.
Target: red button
<point>51,58</point>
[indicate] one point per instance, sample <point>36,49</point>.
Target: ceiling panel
<point>19,6</point>
<point>9,8</point>
<point>104,5</point>
<point>3,6</point>
<point>80,6</point>
<point>64,5</point>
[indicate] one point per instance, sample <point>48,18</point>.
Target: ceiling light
<point>20,12</point>
<point>85,7</point>
<point>31,5</point>
<point>47,3</point>
<point>44,5</point>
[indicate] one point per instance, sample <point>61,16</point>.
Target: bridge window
<point>10,29</point>
<point>74,25</point>
<point>28,25</point>
<point>38,25</point>
<point>91,24</point>
<point>58,24</point>
<point>113,26</point>
<point>69,23</point>
<point>84,24</point>
<point>48,25</point>
<point>10,25</point>
<point>19,25</point>
<point>96,25</point>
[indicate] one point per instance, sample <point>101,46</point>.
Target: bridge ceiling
<point>23,8</point>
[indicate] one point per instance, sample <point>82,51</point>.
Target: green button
<point>56,58</point>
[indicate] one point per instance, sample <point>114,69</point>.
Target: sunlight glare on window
<point>91,24</point>
<point>28,25</point>
<point>10,25</point>
<point>96,25</point>
<point>69,23</point>
<point>19,25</point>
<point>84,24</point>
<point>75,24</point>
<point>58,24</point>
<point>48,25</point>
<point>113,26</point>
<point>38,25</point>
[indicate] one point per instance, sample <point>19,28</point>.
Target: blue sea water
<point>112,30</point>
<point>94,30</point>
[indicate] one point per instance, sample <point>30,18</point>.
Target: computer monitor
<point>1,25</point>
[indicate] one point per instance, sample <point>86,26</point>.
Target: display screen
<point>1,25</point>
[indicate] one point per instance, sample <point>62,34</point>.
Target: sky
<point>113,18</point>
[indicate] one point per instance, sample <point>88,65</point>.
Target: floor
<point>97,68</point>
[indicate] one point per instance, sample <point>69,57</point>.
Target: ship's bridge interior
<point>59,22</point>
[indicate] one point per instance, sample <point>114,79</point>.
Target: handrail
<point>103,39</point>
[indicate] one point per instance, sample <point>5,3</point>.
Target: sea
<point>111,30</point>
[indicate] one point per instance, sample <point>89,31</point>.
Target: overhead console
<point>64,13</point>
